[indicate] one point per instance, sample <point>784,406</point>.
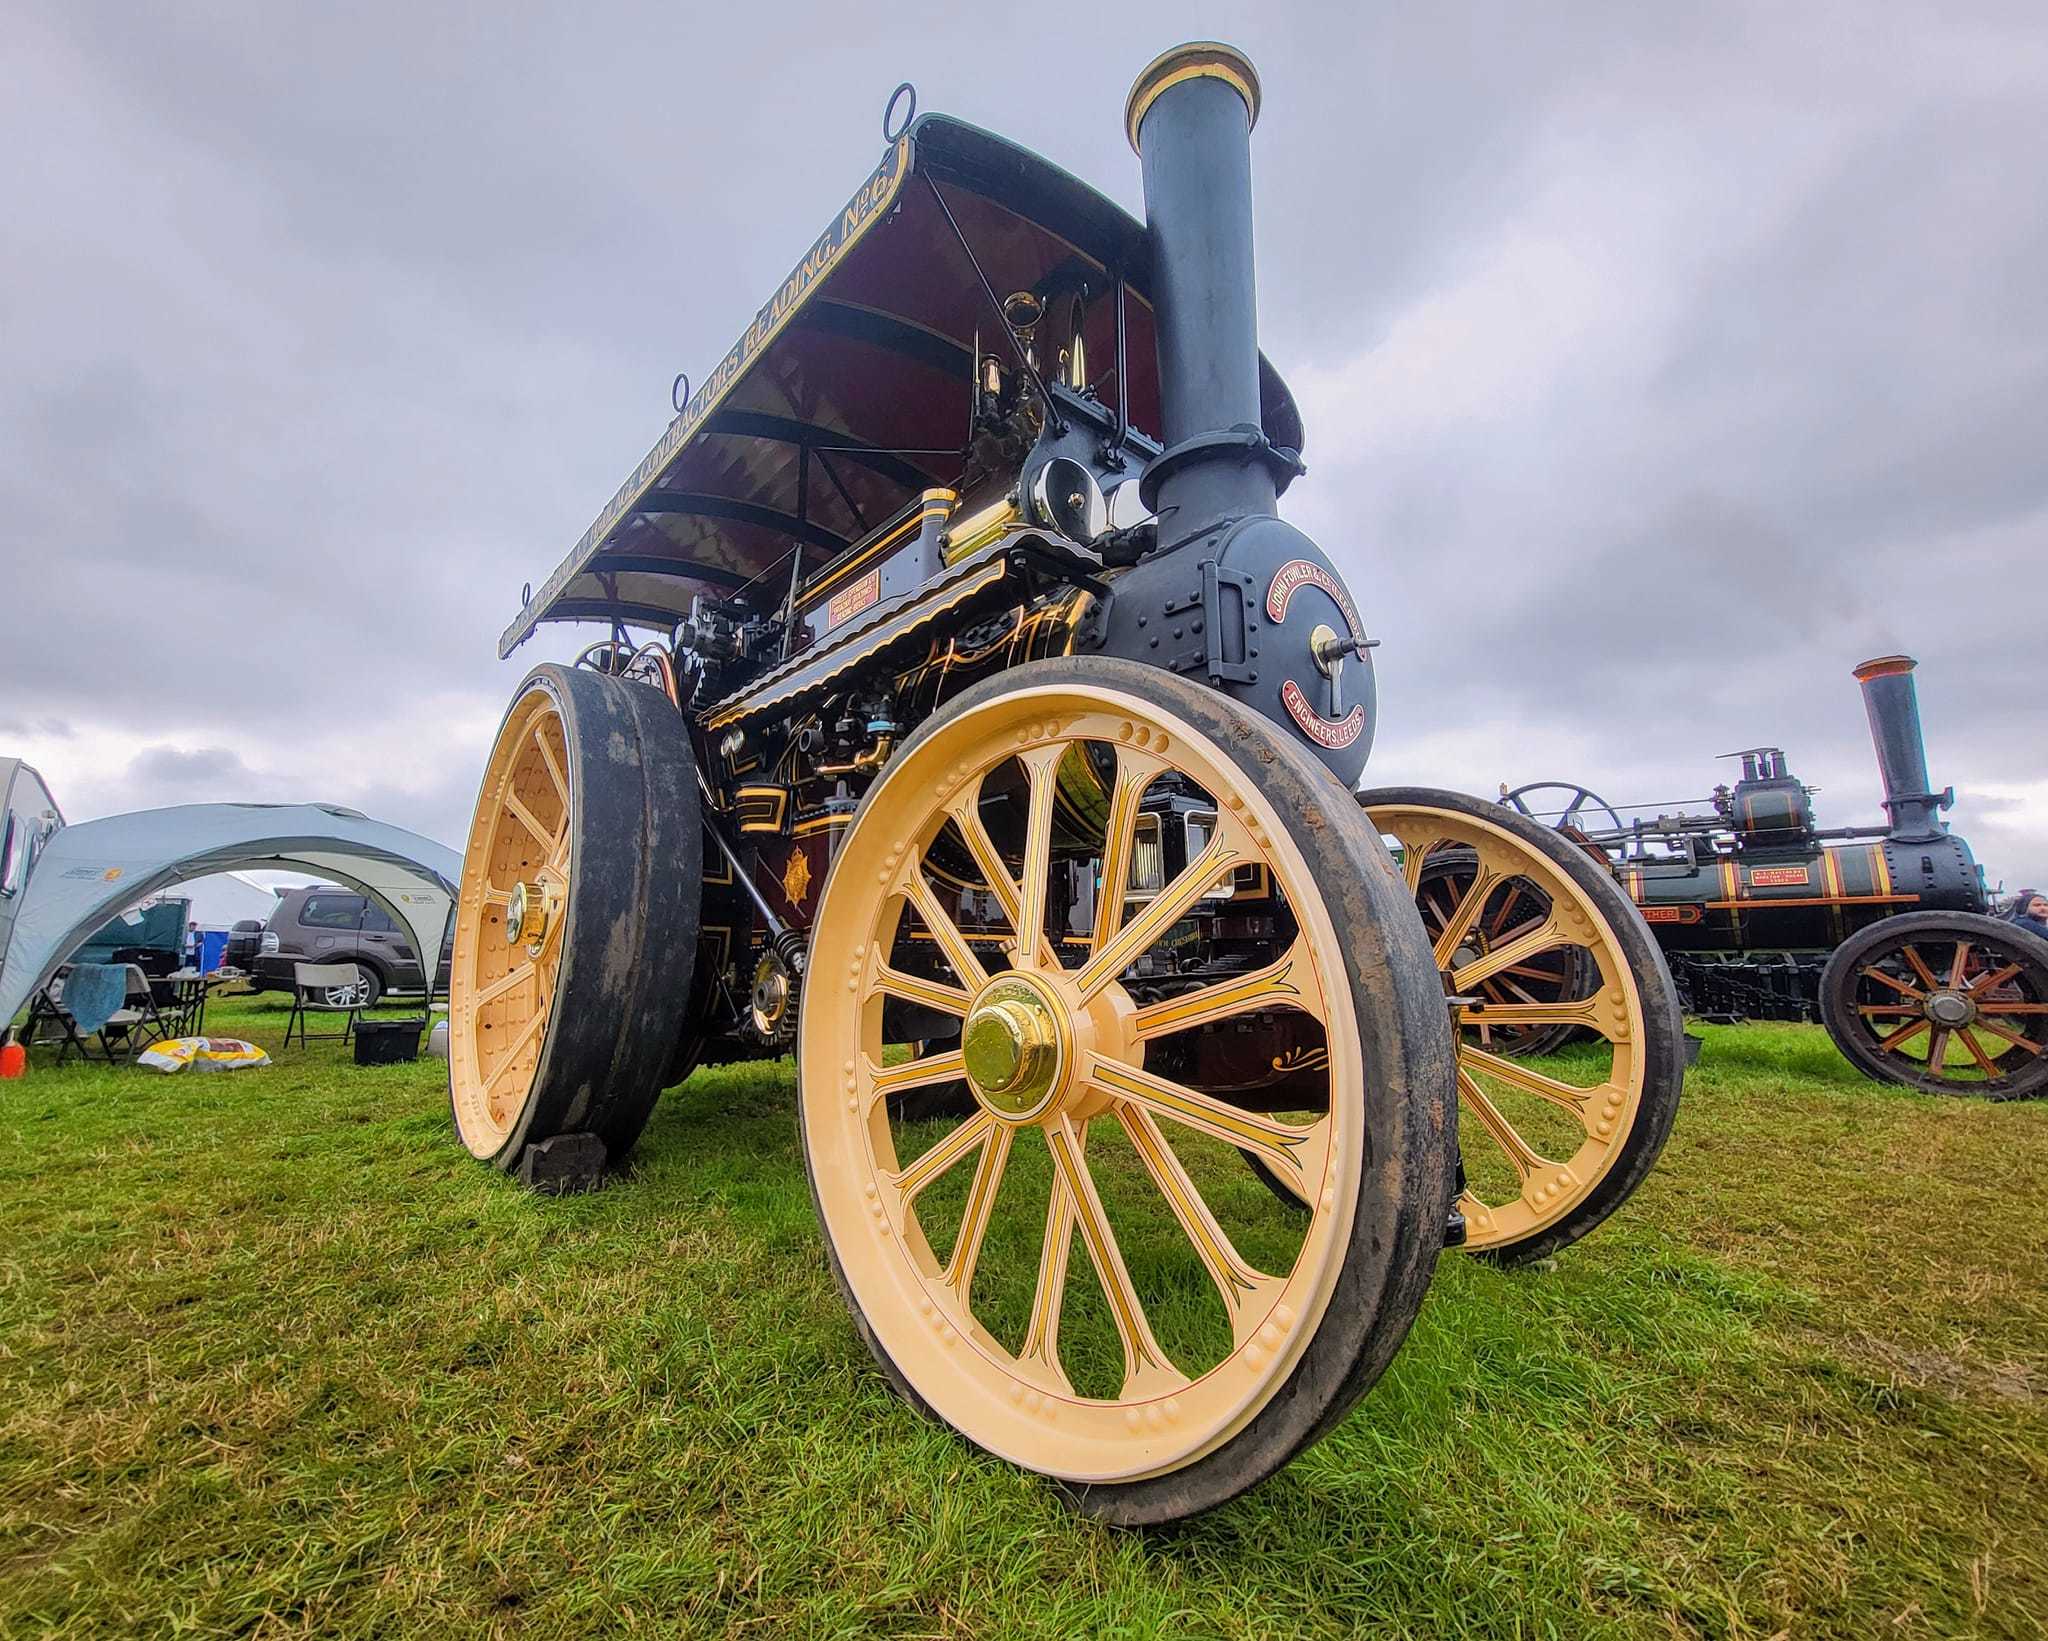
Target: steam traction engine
<point>969,722</point>
<point>1876,931</point>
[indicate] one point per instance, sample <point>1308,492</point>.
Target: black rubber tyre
<point>628,934</point>
<point>1409,1113</point>
<point>1861,1010</point>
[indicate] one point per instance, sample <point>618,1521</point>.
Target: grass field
<point>277,1357</point>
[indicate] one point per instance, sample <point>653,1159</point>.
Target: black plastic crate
<point>387,1042</point>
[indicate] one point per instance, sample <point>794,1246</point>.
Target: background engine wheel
<point>576,927</point>
<point>1553,949</point>
<point>1945,1002</point>
<point>1078,1274</point>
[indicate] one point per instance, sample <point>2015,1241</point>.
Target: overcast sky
<point>1657,368</point>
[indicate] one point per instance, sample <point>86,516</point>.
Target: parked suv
<point>329,925</point>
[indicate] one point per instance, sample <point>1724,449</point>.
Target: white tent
<point>85,874</point>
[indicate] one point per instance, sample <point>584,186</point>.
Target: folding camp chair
<point>132,1027</point>
<point>325,988</point>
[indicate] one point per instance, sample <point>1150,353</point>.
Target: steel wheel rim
<point>1952,1011</point>
<point>500,993</point>
<point>1021,1403</point>
<point>1550,1187</point>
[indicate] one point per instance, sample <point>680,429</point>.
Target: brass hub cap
<point>528,914</point>
<point>1949,1008</point>
<point>1014,1043</point>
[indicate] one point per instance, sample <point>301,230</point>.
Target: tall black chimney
<point>1894,712</point>
<point>1189,117</point>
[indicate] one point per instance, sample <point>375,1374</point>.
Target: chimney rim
<point>1192,60</point>
<point>1884,666</point>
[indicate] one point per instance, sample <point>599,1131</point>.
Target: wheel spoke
<point>1134,773</point>
<point>943,1155</point>
<point>1042,1337</point>
<point>1297,1155</point>
<point>1520,1153</point>
<point>1910,1029</point>
<point>1580,1102</point>
<point>951,941</point>
<point>515,806</point>
<point>931,994</point>
<point>981,1201</point>
<point>1937,1051</point>
<point>1459,921</point>
<point>1042,768</point>
<point>1289,983</point>
<point>1508,956</point>
<point>514,1049</point>
<point>1984,1061</point>
<point>1911,953</point>
<point>504,983</point>
<point>2010,1036</point>
<point>933,1068</point>
<point>1241,1285</point>
<point>554,768</point>
<point>1992,981</point>
<point>1872,972</point>
<point>1962,962</point>
<point>1147,1369</point>
<point>1163,911</point>
<point>1504,1015</point>
<point>966,815</point>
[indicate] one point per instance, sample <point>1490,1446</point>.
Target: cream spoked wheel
<point>575,928</point>
<point>1068,1264</point>
<point>1537,942</point>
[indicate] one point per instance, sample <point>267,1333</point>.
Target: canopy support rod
<point>1054,419</point>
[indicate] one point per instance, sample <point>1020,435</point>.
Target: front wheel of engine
<point>1202,1335</point>
<point>1942,1002</point>
<point>576,926</point>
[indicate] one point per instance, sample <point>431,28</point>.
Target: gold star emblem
<point>796,878</point>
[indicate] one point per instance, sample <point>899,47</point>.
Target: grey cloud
<point>326,330</point>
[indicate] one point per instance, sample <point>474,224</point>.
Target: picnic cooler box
<point>387,1042</point>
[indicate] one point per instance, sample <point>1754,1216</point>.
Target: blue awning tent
<point>76,877</point>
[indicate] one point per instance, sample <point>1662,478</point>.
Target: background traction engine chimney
<point>1894,711</point>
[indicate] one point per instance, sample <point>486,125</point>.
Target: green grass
<point>276,1356</point>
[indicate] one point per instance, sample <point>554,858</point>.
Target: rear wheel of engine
<point>1556,961</point>
<point>1944,1002</point>
<point>576,926</point>
<point>1201,1335</point>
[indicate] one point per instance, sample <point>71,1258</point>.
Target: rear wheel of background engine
<point>576,927</point>
<point>1077,1274</point>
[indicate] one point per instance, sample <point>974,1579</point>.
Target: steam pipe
<point>1189,117</point>
<point>1894,711</point>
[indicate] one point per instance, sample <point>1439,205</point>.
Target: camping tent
<point>85,874</point>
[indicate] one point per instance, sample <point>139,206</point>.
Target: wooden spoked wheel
<point>1945,1002</point>
<point>1538,946</point>
<point>1199,1337</point>
<point>575,927</point>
